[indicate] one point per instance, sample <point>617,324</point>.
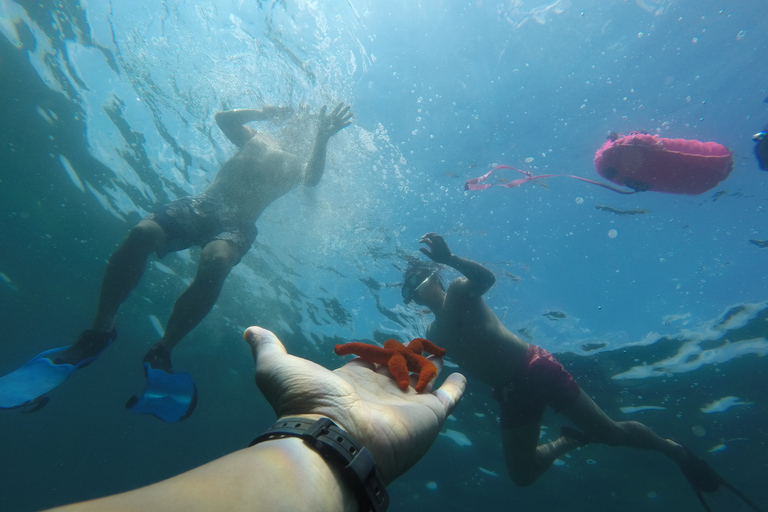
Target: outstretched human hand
<point>340,118</point>
<point>439,253</point>
<point>396,426</point>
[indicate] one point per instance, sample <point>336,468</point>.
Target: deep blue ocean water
<point>108,110</point>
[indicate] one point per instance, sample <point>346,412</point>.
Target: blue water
<point>108,110</point>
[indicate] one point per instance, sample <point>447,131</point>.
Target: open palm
<point>396,426</point>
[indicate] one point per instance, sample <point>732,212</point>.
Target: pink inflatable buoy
<point>676,166</point>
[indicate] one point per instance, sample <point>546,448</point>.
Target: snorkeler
<point>761,148</point>
<point>526,378</point>
<point>221,221</point>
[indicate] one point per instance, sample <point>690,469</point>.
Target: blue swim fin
<point>38,376</point>
<point>41,374</point>
<point>169,396</point>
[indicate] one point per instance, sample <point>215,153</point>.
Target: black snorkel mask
<point>414,282</point>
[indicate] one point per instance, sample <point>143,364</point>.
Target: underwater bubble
<point>432,486</point>
<point>699,431</point>
<point>591,462</point>
<point>613,233</point>
<point>558,462</point>
<point>579,200</point>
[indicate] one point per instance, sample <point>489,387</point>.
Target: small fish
<point>718,448</point>
<point>164,269</point>
<point>637,211</point>
<point>630,410</point>
<point>457,437</point>
<point>723,404</point>
<point>157,325</point>
<point>7,280</point>
<point>488,472</point>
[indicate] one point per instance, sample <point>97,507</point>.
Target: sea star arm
<point>370,353</point>
<point>400,359</point>
<point>427,372</point>
<point>399,369</point>
<point>428,346</point>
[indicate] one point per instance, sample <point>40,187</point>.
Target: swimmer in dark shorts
<point>525,378</point>
<point>222,222</point>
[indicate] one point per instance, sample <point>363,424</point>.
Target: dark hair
<point>420,268</point>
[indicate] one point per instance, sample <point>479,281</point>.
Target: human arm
<point>396,427</point>
<point>232,122</point>
<point>480,279</point>
<point>280,475</point>
<point>327,127</point>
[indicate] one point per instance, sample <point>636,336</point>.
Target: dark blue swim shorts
<point>201,219</point>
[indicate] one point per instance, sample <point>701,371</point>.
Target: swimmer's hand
<point>440,253</point>
<point>362,398</point>
<point>330,125</point>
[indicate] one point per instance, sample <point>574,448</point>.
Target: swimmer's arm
<point>232,122</point>
<point>327,127</point>
<point>278,475</point>
<point>479,278</point>
<point>315,167</point>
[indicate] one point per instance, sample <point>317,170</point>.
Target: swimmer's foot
<point>167,395</point>
<point>699,474</point>
<point>88,346</point>
<point>44,372</point>
<point>582,438</point>
<point>159,358</point>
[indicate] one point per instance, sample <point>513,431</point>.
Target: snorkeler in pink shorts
<point>526,378</point>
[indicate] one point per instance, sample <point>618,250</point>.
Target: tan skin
<point>397,427</point>
<point>475,338</point>
<point>251,180</point>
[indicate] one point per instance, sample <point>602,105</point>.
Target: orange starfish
<point>400,358</point>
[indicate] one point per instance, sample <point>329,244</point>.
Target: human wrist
<point>303,479</point>
<point>342,452</point>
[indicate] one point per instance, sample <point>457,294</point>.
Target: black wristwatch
<point>340,449</point>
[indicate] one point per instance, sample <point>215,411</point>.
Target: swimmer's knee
<point>147,230</point>
<point>217,260</point>
<point>147,235</point>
